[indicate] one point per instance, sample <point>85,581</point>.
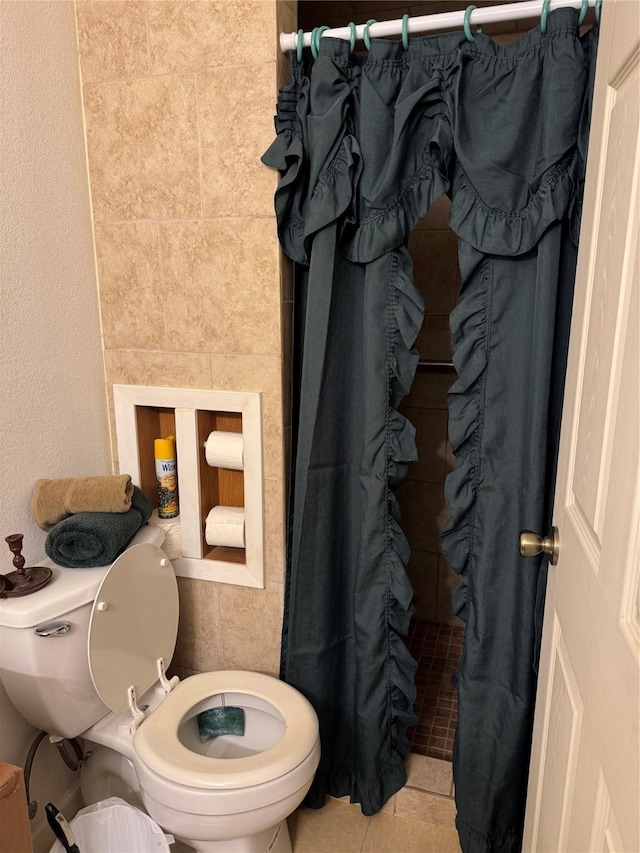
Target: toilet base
<point>273,840</point>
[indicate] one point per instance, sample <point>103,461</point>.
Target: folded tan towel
<point>54,500</point>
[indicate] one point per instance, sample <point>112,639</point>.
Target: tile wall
<point>178,101</point>
<point>433,248</point>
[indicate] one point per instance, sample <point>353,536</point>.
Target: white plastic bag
<point>113,826</point>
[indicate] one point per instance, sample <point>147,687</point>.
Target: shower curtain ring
<point>299,45</point>
<point>466,25</point>
<point>352,37</point>
<point>583,12</point>
<point>598,9</point>
<point>543,16</point>
<point>367,40</point>
<point>315,40</point>
<point>405,32</point>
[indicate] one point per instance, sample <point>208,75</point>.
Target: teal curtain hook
<point>367,40</point>
<point>352,38</point>
<point>543,16</point>
<point>598,9</point>
<point>312,43</point>
<point>299,45</point>
<point>405,32</point>
<point>583,12</point>
<point>466,25</point>
<point>315,40</point>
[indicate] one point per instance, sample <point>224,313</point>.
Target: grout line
<point>366,832</point>
<point>199,139</point>
<point>432,644</point>
<point>176,72</point>
<point>185,220</point>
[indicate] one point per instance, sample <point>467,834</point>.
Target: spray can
<point>164,451</point>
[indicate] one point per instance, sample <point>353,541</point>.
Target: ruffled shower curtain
<point>364,146</point>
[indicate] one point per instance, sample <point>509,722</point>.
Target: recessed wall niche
<point>144,413</point>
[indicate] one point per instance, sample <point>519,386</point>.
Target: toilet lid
<point>134,621</point>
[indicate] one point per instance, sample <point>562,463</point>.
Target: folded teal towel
<point>89,539</point>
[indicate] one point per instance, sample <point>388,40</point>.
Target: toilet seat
<point>157,743</point>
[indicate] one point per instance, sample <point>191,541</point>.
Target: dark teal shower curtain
<point>364,146</point>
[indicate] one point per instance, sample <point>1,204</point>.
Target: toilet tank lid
<point>67,589</point>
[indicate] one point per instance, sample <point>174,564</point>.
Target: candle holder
<point>22,581</point>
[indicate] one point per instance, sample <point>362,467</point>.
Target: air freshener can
<point>164,451</point>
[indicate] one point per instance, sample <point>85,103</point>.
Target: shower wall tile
<point>431,441</point>
<point>234,133</point>
<point>222,286</point>
<point>429,389</point>
<point>250,623</point>
<point>142,140</point>
<point>435,269</point>
<point>423,574</point>
<point>198,645</point>
<point>170,369</point>
<point>450,460</point>
<point>261,374</point>
<point>434,345</point>
<point>131,301</point>
<point>274,530</point>
<point>448,580</point>
<point>436,219</point>
<point>112,39</point>
<point>190,35</point>
<point>423,513</point>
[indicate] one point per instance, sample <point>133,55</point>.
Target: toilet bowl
<point>88,659</point>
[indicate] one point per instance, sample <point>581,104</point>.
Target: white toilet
<point>86,656</point>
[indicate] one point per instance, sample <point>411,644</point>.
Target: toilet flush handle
<point>54,629</point>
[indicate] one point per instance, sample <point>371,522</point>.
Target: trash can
<point>114,826</point>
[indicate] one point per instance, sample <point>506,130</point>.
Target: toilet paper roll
<point>225,450</point>
<point>225,526</point>
<point>172,530</point>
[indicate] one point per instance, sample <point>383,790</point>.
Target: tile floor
<point>342,828</point>
<point>437,649</point>
<point>420,818</point>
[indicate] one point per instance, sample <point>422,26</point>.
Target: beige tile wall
<point>433,248</point>
<point>179,99</point>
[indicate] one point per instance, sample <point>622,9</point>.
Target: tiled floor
<point>437,648</point>
<point>419,818</point>
<point>342,828</point>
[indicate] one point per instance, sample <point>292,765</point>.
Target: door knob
<point>531,544</point>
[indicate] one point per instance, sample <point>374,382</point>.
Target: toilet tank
<point>44,664</point>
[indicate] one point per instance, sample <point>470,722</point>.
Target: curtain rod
<point>444,20</point>
<point>430,364</point>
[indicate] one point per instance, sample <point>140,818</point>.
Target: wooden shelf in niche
<point>152,422</point>
<point>219,486</point>
<point>144,413</point>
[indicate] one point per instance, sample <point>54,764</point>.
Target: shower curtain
<point>364,145</point>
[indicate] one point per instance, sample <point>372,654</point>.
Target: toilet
<point>87,656</point>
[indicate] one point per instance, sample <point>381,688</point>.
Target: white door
<point>583,785</point>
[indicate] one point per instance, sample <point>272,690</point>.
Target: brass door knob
<point>531,544</point>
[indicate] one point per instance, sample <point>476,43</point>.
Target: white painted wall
<point>53,417</point>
